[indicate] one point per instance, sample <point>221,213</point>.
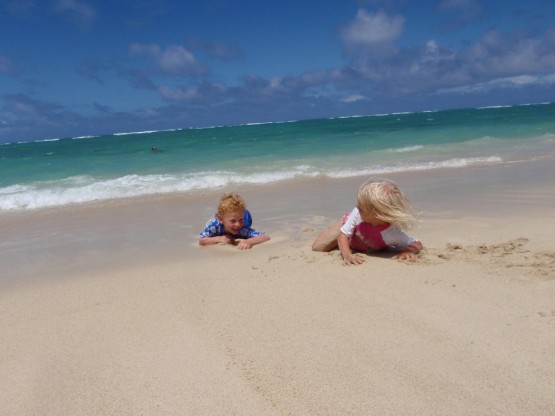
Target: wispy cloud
<point>216,49</point>
<point>78,12</point>
<point>504,83</point>
<point>467,8</point>
<point>7,67</point>
<point>459,13</point>
<point>19,7</point>
<point>173,60</point>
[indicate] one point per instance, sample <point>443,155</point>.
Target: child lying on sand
<point>376,223</point>
<point>232,225</point>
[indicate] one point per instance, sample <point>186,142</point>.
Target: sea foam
<point>85,189</point>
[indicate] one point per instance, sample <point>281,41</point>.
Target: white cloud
<point>204,94</point>
<point>496,55</point>
<point>372,33</point>
<point>352,98</point>
<point>177,93</point>
<point>174,60</point>
<point>497,61</point>
<point>503,83</point>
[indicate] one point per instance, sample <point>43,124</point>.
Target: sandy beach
<point>113,309</point>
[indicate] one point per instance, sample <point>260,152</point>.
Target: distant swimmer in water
<point>154,149</point>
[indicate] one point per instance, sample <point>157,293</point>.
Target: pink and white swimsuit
<point>364,236</point>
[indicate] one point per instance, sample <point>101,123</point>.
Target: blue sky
<point>84,67</point>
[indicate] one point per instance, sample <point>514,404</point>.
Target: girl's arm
<point>348,256</point>
<point>248,243</point>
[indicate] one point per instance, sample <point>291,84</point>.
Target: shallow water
<point>71,171</point>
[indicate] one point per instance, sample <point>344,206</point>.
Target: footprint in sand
<point>549,316</point>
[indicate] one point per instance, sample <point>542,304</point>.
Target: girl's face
<point>233,221</point>
<point>370,217</point>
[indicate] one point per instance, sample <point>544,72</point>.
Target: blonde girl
<point>379,221</point>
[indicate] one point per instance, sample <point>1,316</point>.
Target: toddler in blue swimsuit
<point>232,225</point>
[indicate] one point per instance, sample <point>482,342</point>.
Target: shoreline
<point>165,228</point>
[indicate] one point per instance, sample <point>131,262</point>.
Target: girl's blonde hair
<point>230,203</point>
<point>383,199</point>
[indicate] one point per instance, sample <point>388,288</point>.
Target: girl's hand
<point>406,255</point>
<point>354,259</point>
<point>410,252</point>
<point>348,256</point>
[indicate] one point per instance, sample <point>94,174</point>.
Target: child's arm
<point>248,243</point>
<point>219,239</point>
<point>348,256</point>
<point>409,252</point>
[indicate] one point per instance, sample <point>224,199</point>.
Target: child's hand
<point>405,255</point>
<point>244,244</point>
<point>355,259</point>
<point>410,253</point>
<point>227,239</point>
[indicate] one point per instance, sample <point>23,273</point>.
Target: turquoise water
<point>79,170</point>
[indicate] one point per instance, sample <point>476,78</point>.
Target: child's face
<point>233,221</point>
<point>370,217</point>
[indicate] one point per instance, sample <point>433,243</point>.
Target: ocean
<point>79,170</point>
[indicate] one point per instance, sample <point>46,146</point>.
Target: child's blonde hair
<point>230,203</point>
<point>384,199</point>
